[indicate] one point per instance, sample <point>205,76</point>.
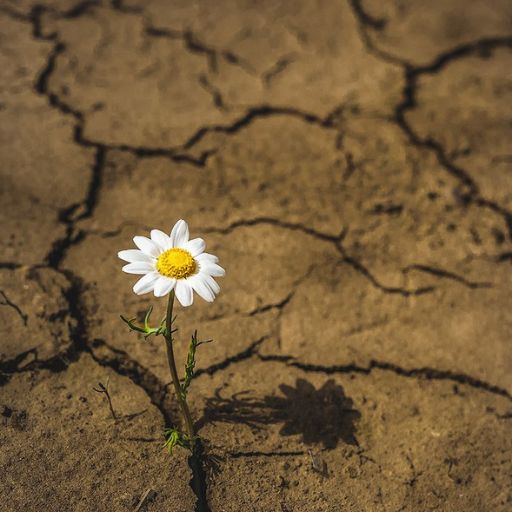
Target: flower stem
<point>174,374</point>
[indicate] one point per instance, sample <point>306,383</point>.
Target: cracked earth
<point>349,162</point>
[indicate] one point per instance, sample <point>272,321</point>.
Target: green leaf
<point>173,437</point>
<point>146,318</point>
<point>146,330</point>
<point>191,362</point>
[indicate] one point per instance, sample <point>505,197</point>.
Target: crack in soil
<point>469,190</point>
<point>359,267</point>
<point>241,356</point>
<point>337,240</point>
<point>74,294</point>
<point>258,112</point>
<point>425,372</point>
<point>276,69</point>
<point>278,305</point>
<point>278,223</point>
<point>238,455</point>
<point>441,273</point>
<point>10,366</point>
<point>118,5</point>
<point>9,303</point>
<point>121,362</point>
<point>483,48</point>
<point>10,265</point>
<point>194,45</point>
<point>366,18</point>
<point>409,102</point>
<point>66,215</point>
<point>78,329</point>
<point>214,93</point>
<point>118,360</point>
<point>42,88</point>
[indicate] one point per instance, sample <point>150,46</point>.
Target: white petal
<point>184,293</point>
<point>209,281</point>
<point>161,239</point>
<point>179,234</point>
<point>147,246</point>
<point>138,267</point>
<point>213,269</point>
<point>207,257</point>
<point>145,284</point>
<point>132,255</point>
<point>201,288</point>
<point>194,247</point>
<point>163,286</point>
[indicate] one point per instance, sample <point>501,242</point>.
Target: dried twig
<point>146,498</point>
<point>104,389</point>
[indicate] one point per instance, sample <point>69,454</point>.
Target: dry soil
<point>350,163</point>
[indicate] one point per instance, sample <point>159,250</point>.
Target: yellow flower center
<point>176,263</point>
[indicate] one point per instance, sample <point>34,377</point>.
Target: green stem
<point>174,374</point>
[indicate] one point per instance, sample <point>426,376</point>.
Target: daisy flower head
<point>173,262</point>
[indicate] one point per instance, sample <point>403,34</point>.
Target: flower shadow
<point>321,416</point>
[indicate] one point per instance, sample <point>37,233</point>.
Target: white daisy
<point>173,262</point>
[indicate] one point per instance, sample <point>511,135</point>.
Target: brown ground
<point>350,164</point>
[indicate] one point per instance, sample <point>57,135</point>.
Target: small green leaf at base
<point>173,437</point>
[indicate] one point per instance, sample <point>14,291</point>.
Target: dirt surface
<point>349,162</point>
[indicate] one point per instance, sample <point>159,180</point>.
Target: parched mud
<point>349,162</point>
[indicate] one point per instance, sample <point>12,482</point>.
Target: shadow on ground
<point>321,416</point>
